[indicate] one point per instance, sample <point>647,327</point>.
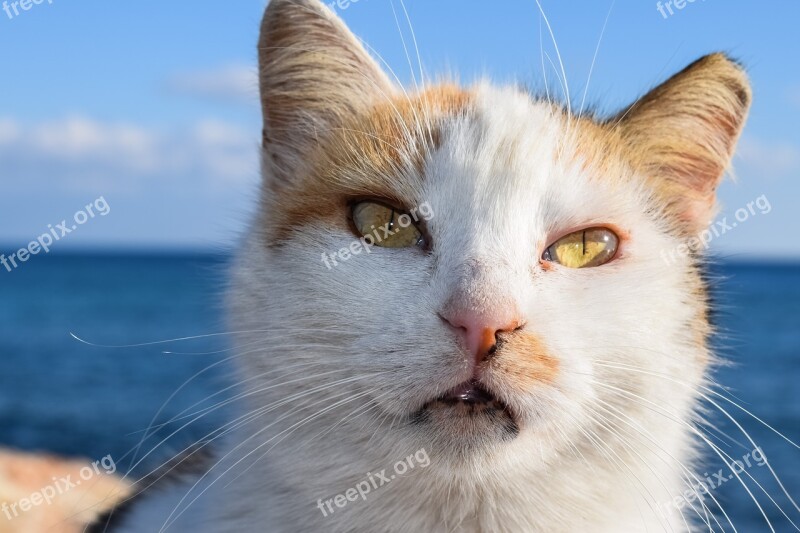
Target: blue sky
<point>153,105</point>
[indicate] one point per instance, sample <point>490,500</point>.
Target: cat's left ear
<point>313,75</point>
<point>682,135</point>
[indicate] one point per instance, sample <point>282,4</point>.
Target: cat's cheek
<point>524,364</point>
<point>521,374</point>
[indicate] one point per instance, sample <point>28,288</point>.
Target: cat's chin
<point>469,409</point>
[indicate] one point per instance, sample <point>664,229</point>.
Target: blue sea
<point>95,396</point>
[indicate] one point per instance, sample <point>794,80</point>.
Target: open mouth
<point>472,412</point>
<point>473,398</point>
<point>470,393</point>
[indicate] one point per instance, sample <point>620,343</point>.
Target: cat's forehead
<point>491,143</point>
<point>507,145</point>
<point>521,168</point>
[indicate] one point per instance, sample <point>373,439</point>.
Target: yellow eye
<point>590,247</point>
<point>386,226</point>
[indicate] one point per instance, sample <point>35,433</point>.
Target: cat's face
<point>529,296</point>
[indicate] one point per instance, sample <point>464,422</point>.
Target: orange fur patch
<point>523,362</point>
<point>22,475</point>
<point>681,136</point>
<point>599,150</point>
<point>377,154</point>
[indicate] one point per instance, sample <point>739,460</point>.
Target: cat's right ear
<point>682,135</point>
<point>313,74</point>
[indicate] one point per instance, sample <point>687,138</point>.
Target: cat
<point>521,349</point>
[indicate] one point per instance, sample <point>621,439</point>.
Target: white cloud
<point>85,153</point>
<point>769,160</point>
<point>231,83</point>
<point>8,131</point>
<point>79,139</point>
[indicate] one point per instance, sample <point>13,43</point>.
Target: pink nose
<point>480,330</point>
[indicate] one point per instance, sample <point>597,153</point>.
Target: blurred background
<point>148,112</point>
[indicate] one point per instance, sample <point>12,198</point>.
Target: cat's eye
<point>586,248</point>
<point>386,226</point>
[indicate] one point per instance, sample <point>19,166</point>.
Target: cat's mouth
<point>471,398</point>
<point>470,393</point>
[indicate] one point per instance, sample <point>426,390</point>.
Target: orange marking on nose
<point>524,362</point>
<point>487,340</point>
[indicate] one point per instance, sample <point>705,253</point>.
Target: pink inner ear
<point>699,213</point>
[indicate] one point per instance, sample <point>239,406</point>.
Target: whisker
<point>594,58</point>
<point>737,424</point>
<point>170,518</point>
<point>260,410</point>
<point>630,422</point>
<point>722,454</point>
<point>558,54</point>
<point>191,337</point>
